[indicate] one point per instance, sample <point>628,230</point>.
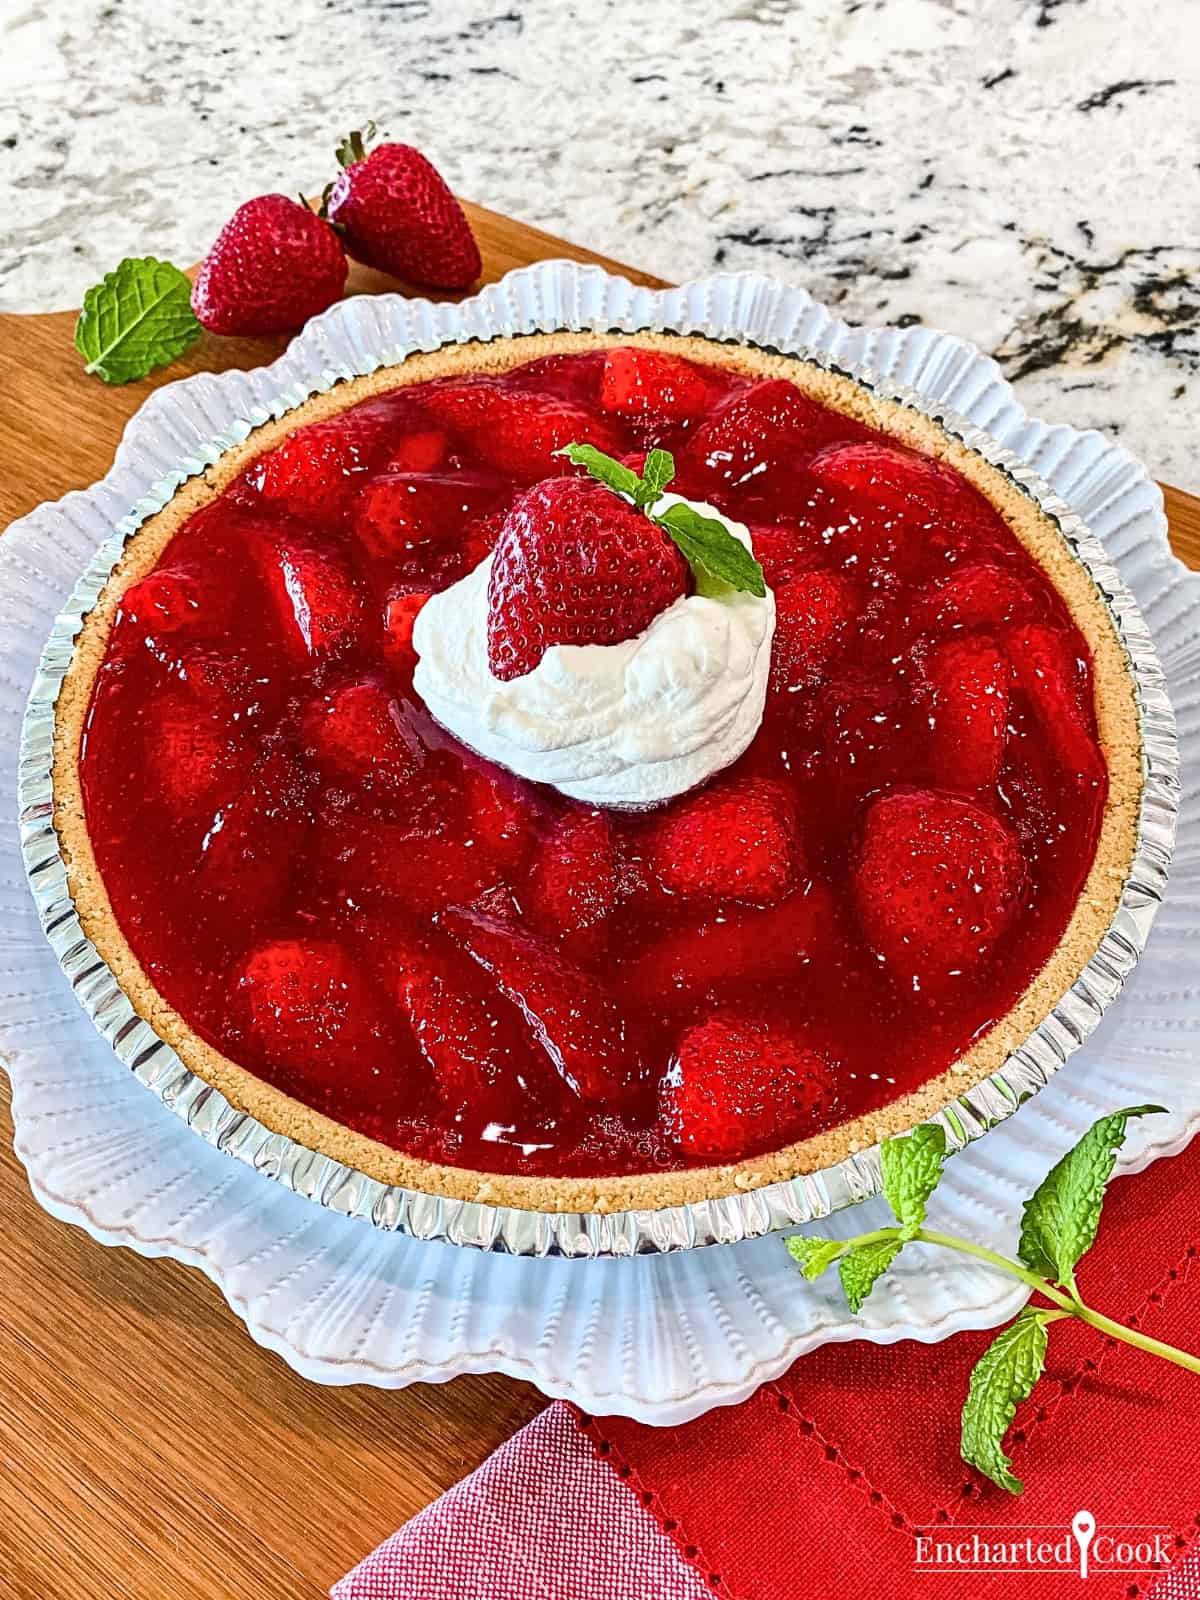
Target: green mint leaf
<point>859,1269</point>
<point>814,1255</point>
<point>1061,1216</point>
<point>140,317</point>
<point>719,562</point>
<point>612,473</point>
<point>656,475</point>
<point>912,1169</point>
<point>1004,1375</point>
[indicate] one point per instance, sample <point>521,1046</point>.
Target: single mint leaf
<point>1061,1216</point>
<point>814,1255</point>
<point>718,561</point>
<point>859,1269</point>
<point>912,1169</point>
<point>656,475</point>
<point>613,473</point>
<point>1004,1375</point>
<point>140,317</point>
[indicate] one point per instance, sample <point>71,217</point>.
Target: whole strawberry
<point>575,564</point>
<point>274,265</point>
<point>396,213</point>
<point>937,880</point>
<point>735,840</point>
<point>735,1084</point>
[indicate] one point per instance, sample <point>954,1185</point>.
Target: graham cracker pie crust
<point>1116,714</point>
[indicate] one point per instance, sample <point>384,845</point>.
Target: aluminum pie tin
<point>744,1214</point>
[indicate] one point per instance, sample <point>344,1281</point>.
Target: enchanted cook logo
<point>1082,1547</point>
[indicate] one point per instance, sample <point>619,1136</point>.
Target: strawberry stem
<point>354,146</point>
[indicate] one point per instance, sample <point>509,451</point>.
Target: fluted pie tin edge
<point>186,427</point>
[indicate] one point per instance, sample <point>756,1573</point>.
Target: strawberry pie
<point>594,771</point>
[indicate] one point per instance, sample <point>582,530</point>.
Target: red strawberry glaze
<point>501,978</point>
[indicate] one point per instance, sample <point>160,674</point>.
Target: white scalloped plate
<point>661,1338</point>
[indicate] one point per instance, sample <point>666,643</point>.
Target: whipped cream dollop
<point>629,724</point>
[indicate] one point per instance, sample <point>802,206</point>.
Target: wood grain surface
<point>149,1450</point>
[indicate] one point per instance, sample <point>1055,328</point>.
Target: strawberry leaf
<point>140,317</point>
<point>354,146</point>
<point>1004,1375</point>
<point>860,1267</point>
<point>718,560</point>
<point>813,1255</point>
<point>1061,1216</point>
<point>912,1168</point>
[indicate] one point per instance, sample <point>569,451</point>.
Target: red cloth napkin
<point>826,1481</point>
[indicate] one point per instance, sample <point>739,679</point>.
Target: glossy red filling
<point>474,969</point>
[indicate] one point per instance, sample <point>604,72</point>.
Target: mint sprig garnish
<point>912,1170</point>
<point>1003,1376</point>
<point>1060,1218</point>
<point>720,563</point>
<point>859,1268</point>
<point>813,1255</point>
<point>657,473</point>
<point>1059,1226</point>
<point>138,318</point>
<point>615,474</point>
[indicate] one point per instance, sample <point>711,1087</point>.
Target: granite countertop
<point>1024,172</point>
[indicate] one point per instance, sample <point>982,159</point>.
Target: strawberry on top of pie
<point>616,644</point>
<point>901,748</point>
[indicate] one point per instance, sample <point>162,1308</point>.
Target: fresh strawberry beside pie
<point>590,772</point>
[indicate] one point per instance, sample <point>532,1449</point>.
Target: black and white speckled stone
<point>1016,171</point>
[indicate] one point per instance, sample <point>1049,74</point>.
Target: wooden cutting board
<point>149,1448</point>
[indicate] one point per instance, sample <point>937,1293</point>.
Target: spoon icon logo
<point>1083,1526</point>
